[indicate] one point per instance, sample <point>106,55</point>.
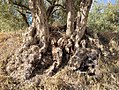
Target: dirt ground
<point>66,79</point>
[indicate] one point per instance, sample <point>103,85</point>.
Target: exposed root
<point>57,57</point>
<point>29,56</point>
<point>35,57</point>
<point>27,68</point>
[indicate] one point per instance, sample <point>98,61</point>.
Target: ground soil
<point>64,79</point>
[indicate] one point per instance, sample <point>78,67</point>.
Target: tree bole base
<point>61,52</point>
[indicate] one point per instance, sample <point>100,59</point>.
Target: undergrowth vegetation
<point>65,79</point>
<point>103,19</point>
<point>9,20</point>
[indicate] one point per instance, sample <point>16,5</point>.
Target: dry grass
<point>65,79</point>
<point>8,44</point>
<point>108,79</point>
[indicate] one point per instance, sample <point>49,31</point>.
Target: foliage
<point>9,21</point>
<point>104,17</point>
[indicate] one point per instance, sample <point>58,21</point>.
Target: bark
<point>40,24</point>
<point>35,43</point>
<point>70,17</point>
<point>82,16</point>
<point>43,48</point>
<point>37,37</point>
<point>80,51</point>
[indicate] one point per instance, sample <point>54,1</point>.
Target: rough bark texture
<point>40,24</point>
<point>70,17</point>
<point>69,53</point>
<point>35,42</point>
<point>38,34</point>
<point>47,52</point>
<point>82,16</point>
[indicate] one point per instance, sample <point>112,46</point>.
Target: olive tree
<point>45,46</point>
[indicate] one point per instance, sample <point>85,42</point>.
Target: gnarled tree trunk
<point>82,16</point>
<point>38,41</point>
<point>37,38</point>
<point>35,42</point>
<point>70,17</point>
<point>39,24</point>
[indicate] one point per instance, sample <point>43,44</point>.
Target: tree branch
<point>49,2</point>
<point>24,16</point>
<point>51,8</point>
<point>60,6</point>
<point>18,4</point>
